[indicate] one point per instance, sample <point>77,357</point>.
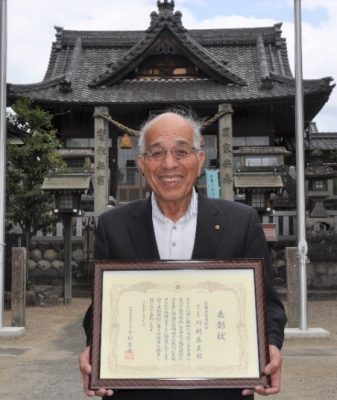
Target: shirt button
<point>174,227</point>
<point>173,244</point>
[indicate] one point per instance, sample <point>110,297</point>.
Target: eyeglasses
<point>178,152</point>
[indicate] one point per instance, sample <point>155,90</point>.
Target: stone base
<point>12,331</point>
<point>310,333</point>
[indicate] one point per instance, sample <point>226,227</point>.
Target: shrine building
<point>102,85</point>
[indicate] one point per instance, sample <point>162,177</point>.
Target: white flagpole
<point>299,127</point>
<point>3,53</point>
<point>302,247</point>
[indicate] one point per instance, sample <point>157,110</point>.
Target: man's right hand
<point>85,368</point>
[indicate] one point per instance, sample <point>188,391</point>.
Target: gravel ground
<point>43,364</point>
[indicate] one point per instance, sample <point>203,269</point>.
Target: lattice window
<point>318,185</point>
<point>258,200</point>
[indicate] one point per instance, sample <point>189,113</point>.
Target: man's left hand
<point>274,370</point>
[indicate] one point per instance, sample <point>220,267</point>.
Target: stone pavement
<point>43,364</point>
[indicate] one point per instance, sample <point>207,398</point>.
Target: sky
<point>31,31</point>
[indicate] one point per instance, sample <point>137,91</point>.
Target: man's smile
<point>170,179</point>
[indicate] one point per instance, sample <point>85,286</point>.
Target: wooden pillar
<point>101,181</point>
<point>226,152</point>
<point>18,301</point>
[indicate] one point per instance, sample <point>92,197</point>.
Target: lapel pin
<point>216,227</point>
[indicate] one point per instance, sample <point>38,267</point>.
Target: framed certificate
<point>179,324</point>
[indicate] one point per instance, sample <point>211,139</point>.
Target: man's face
<point>171,179</point>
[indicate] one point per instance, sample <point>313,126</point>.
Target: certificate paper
<point>183,325</point>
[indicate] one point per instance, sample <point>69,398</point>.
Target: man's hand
<point>274,370</point>
<point>85,368</point>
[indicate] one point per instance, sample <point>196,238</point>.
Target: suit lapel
<point>209,229</point>
<point>142,233</point>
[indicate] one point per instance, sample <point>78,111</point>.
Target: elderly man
<point>176,222</point>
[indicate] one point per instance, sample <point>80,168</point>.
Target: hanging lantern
<point>126,142</point>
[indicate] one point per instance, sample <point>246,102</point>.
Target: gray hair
<point>196,127</point>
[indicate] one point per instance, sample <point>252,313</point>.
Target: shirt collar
<point>191,212</point>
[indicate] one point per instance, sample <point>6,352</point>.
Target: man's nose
<point>169,160</point>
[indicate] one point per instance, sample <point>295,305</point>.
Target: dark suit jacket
<point>126,233</point>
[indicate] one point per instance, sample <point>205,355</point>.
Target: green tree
<point>27,165</point>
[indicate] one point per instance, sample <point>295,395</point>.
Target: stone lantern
<point>67,188</point>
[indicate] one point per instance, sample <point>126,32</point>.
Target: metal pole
<point>299,127</point>
<point>3,52</point>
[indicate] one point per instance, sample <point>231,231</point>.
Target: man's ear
<point>140,163</point>
<point>201,157</point>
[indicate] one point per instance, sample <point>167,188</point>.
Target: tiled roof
<point>167,25</point>
<point>325,141</point>
<point>238,65</point>
<point>67,182</point>
<point>320,171</point>
<point>262,181</point>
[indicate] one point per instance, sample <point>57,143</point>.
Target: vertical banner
<point>212,183</point>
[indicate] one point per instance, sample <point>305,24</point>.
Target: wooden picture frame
<point>179,325</point>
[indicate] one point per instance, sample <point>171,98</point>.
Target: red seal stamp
<point>129,355</point>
